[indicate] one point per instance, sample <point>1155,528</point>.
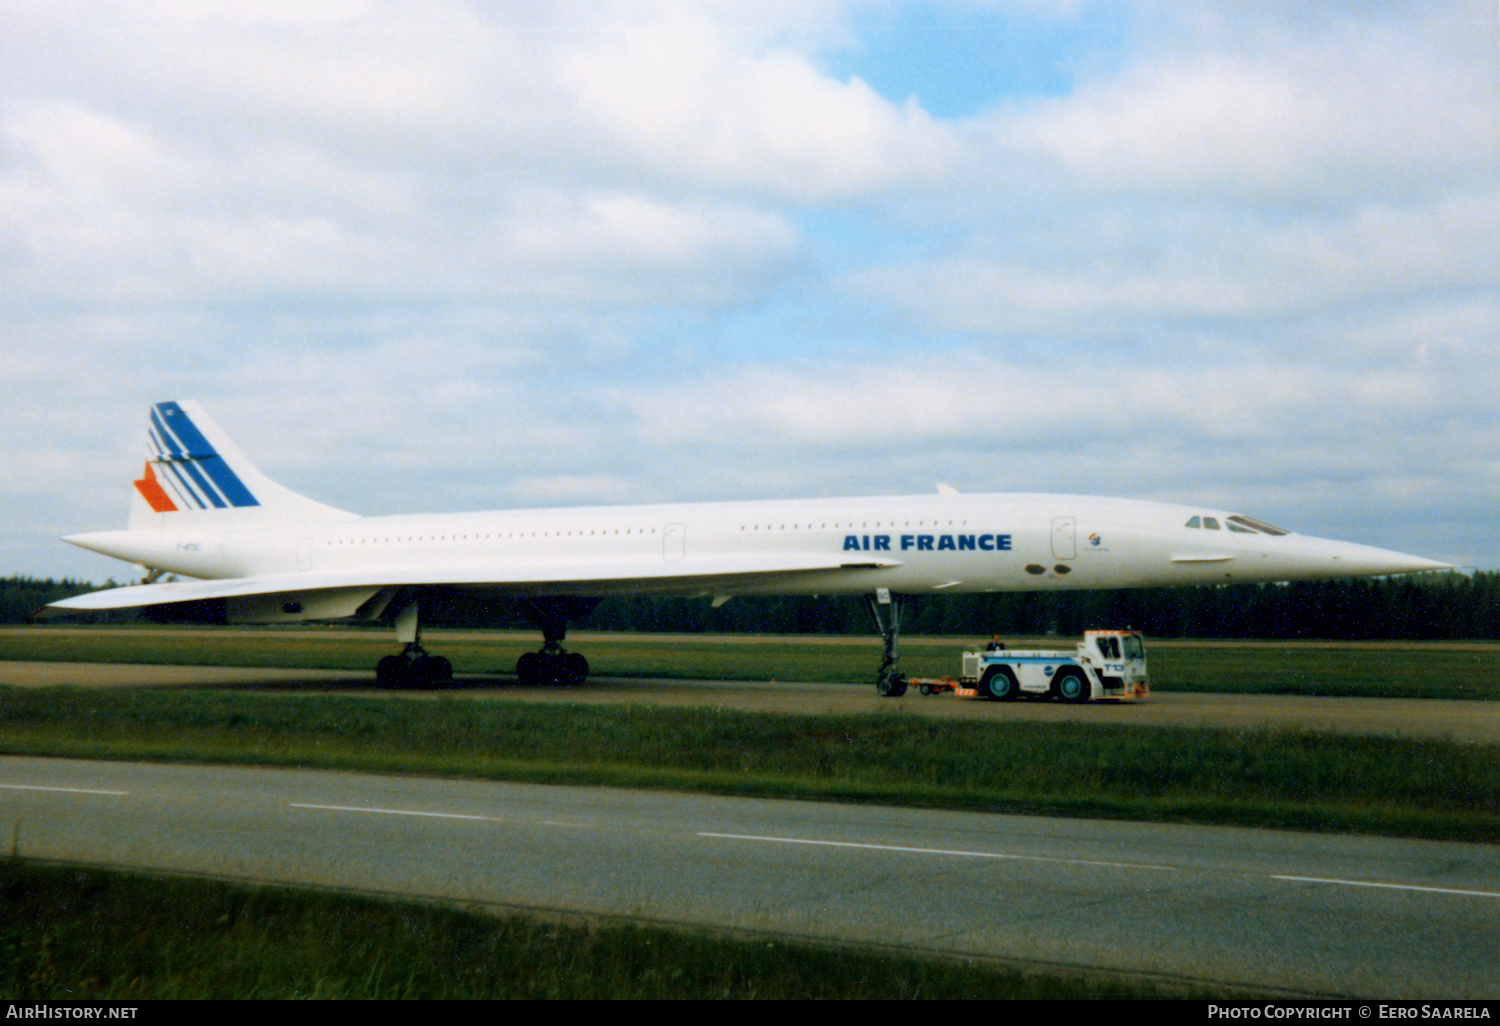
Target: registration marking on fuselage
<point>938,851</point>
<point>67,790</point>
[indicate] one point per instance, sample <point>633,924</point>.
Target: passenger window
<point>1195,522</point>
<point>1210,523</point>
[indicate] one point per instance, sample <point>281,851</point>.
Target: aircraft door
<point>1064,546</point>
<point>674,541</point>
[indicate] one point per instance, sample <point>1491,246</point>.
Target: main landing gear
<point>552,665</point>
<point>414,667</point>
<point>885,611</point>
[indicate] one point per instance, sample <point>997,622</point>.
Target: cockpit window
<point>1238,524</point>
<point>1256,525</point>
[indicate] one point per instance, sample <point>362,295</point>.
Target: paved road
<point>1460,720</point>
<point>1366,917</point>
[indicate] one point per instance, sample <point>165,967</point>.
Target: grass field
<point>1372,670</point>
<point>1424,788</point>
<point>1427,788</point>
<point>75,934</point>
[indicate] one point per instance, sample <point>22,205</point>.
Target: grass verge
<point>87,934</point>
<point>1282,779</point>
<point>1414,670</point>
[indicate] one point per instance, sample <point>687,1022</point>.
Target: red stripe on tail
<point>152,491</point>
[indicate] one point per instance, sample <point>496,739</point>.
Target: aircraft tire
<point>891,686</point>
<point>438,670</point>
<point>572,669</point>
<point>389,672</point>
<point>1071,685</point>
<point>999,684</point>
<point>529,669</point>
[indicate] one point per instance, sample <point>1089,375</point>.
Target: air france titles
<point>928,542</point>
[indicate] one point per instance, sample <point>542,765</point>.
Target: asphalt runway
<point>1471,721</point>
<point>1272,911</point>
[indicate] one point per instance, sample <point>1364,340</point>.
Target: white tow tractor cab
<point>1105,666</point>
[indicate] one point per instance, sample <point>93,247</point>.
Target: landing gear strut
<point>414,667</point>
<point>889,682</point>
<point>552,665</point>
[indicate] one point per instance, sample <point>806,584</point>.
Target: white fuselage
<point>907,544</point>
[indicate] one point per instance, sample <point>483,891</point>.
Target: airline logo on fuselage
<point>927,543</point>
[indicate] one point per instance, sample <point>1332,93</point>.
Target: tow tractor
<point>1107,665</point>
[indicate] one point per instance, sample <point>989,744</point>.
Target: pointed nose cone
<point>1345,559</point>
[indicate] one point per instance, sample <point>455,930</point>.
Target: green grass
<point>1414,670</point>
<point>1266,778</point>
<point>1341,670</point>
<point>78,934</point>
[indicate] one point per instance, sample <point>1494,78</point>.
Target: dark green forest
<point>1426,607</point>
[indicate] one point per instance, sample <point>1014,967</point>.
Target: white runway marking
<point>1389,886</point>
<point>69,790</point>
<point>397,812</point>
<point>939,851</point>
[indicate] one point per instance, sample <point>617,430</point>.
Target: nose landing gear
<point>889,682</point>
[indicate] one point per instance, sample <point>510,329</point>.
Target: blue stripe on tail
<point>186,448</point>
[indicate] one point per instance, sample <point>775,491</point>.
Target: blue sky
<point>464,256</point>
<point>957,60</point>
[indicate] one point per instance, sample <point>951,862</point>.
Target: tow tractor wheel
<point>999,684</point>
<point>1071,686</point>
<point>891,685</point>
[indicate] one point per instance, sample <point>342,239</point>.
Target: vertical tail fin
<point>194,470</point>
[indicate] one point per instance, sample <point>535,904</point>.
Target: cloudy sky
<point>449,256</point>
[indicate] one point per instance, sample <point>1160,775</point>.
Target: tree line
<point>1424,607</point>
<point>22,597</point>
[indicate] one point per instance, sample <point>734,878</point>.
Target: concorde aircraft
<point>263,554</point>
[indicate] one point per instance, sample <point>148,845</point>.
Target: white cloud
<point>1350,110</point>
<point>563,490</point>
<point>1260,418</point>
<point>1221,266</point>
<point>679,100</point>
<point>457,256</point>
<point>623,231</point>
